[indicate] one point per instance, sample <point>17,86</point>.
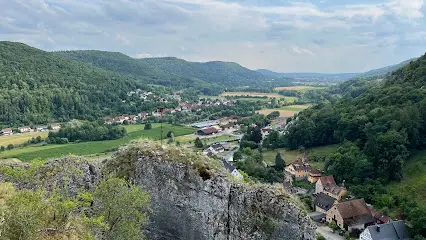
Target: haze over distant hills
<point>336,76</point>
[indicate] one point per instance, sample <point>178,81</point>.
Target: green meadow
<point>89,148</point>
<point>290,156</point>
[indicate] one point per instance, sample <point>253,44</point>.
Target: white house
<point>7,131</point>
<point>56,126</point>
<point>25,129</point>
<point>232,170</point>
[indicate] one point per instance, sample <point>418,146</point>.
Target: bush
<point>148,126</point>
<point>248,144</point>
<point>333,225</point>
<point>10,147</point>
<point>308,202</point>
<point>320,237</point>
<point>199,143</point>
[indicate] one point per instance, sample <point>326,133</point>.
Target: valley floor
<point>134,132</point>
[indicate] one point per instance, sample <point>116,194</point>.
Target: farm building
<point>207,131</point>
<point>7,131</point>
<point>205,124</point>
<point>25,129</point>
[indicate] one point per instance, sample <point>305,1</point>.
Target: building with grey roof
<point>388,231</point>
<point>205,124</point>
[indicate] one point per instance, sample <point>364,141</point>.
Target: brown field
<point>21,138</point>
<point>283,113</point>
<point>255,94</point>
<point>286,111</point>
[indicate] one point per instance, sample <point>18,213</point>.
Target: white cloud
<point>407,8</point>
<point>299,50</point>
<point>283,37</point>
<point>143,55</point>
<point>122,39</point>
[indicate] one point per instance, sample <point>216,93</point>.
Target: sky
<point>327,36</point>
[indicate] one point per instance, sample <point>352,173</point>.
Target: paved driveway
<point>326,232</point>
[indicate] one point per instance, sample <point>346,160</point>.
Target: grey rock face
<point>189,206</point>
<point>192,197</point>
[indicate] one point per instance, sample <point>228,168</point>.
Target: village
<point>337,213</point>
<point>28,129</point>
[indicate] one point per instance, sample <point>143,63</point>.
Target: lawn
<point>88,148</point>
<point>219,139</point>
<point>21,138</point>
<point>292,155</point>
<point>295,107</point>
<point>283,113</point>
<point>414,183</point>
<point>188,139</point>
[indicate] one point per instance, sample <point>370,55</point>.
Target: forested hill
<point>380,72</point>
<point>38,87</point>
<point>225,73</point>
<point>143,71</point>
<point>383,125</point>
<point>212,77</point>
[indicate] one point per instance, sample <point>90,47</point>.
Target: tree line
<point>378,123</point>
<point>92,131</point>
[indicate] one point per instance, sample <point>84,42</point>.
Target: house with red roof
<point>353,214</point>
<point>327,185</point>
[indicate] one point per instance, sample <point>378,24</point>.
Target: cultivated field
<point>295,107</point>
<point>283,113</point>
<point>299,88</point>
<point>87,148</point>
<point>286,111</point>
<point>21,138</point>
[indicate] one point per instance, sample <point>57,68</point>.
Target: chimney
<point>378,228</point>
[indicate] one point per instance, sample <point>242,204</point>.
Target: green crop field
<point>21,138</point>
<point>295,107</point>
<point>88,148</point>
<point>292,155</point>
<point>301,89</point>
<point>219,139</point>
<point>414,183</point>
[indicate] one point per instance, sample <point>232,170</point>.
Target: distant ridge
<point>337,76</point>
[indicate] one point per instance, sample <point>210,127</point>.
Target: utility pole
<point>161,110</point>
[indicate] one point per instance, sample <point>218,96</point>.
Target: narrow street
<point>326,232</point>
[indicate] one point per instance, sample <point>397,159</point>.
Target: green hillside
<point>39,87</point>
<point>380,72</point>
<point>225,73</point>
<point>144,72</point>
<point>211,77</point>
<point>380,126</point>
